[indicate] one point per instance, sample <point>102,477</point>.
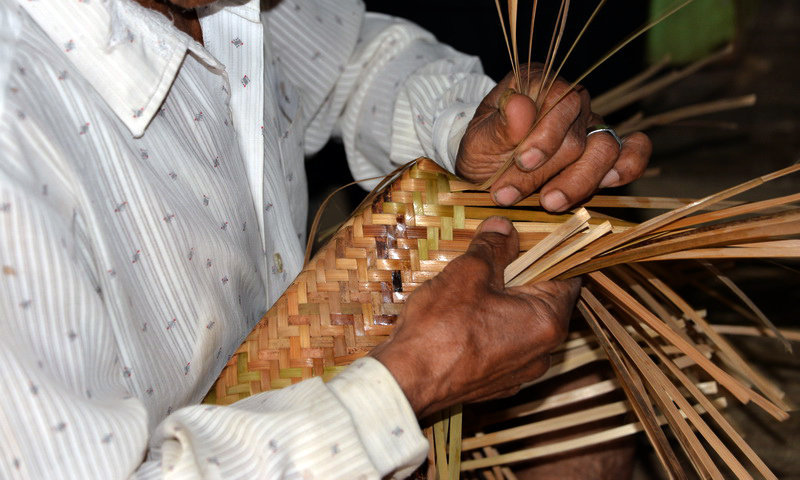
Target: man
<point>152,206</point>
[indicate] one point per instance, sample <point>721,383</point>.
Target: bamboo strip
<point>440,448</point>
<point>710,409</point>
<point>567,445</point>
<point>682,113</point>
<point>729,252</point>
<point>599,101</point>
<point>756,229</point>
<point>654,305</point>
<point>763,206</point>
<point>636,396</point>
<point>660,83</point>
<point>630,305</point>
<point>666,393</point>
<point>792,335</point>
<point>725,348</point>
<point>613,241</point>
<point>536,269</point>
<point>567,229</point>
<point>746,300</point>
<point>553,401</point>
<point>546,426</point>
<point>454,452</point>
<point>503,168</point>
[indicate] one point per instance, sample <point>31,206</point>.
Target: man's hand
<point>463,337</point>
<point>556,155</point>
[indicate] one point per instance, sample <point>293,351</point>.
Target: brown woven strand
<point>346,300</point>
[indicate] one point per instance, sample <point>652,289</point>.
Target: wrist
<point>410,374</point>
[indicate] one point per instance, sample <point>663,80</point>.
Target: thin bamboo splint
<point>348,297</point>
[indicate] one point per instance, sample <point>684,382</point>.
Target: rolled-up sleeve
<point>384,85</point>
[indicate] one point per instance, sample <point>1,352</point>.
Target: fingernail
<point>611,178</point>
<point>531,159</point>
<point>496,224</point>
<point>507,196</point>
<point>555,201</point>
<point>504,98</point>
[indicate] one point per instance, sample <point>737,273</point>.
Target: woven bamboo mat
<point>348,297</point>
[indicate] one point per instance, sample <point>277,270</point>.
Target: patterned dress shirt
<point>152,207</point>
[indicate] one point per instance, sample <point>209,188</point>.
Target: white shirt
<point>152,206</point>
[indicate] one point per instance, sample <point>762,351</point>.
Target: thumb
<point>496,242</point>
<point>513,120</point>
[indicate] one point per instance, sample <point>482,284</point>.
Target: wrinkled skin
<point>463,337</point>
<point>555,156</point>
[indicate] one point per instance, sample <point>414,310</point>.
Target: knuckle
<point>472,265</point>
<point>574,146</point>
<point>570,105</point>
<point>606,147</point>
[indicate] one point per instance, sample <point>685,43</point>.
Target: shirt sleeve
<point>382,84</point>
<point>358,425</point>
<point>66,411</point>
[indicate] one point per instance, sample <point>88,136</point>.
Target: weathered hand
<point>463,337</point>
<point>556,155</point>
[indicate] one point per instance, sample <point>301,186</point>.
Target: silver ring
<point>604,128</point>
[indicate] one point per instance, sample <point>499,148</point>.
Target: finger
<point>495,245</point>
<point>499,125</point>
<point>632,161</point>
<point>516,184</point>
<point>578,180</point>
<point>548,135</point>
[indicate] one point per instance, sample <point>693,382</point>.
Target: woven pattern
<point>345,302</point>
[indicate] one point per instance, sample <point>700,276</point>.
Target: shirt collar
<point>129,54</point>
